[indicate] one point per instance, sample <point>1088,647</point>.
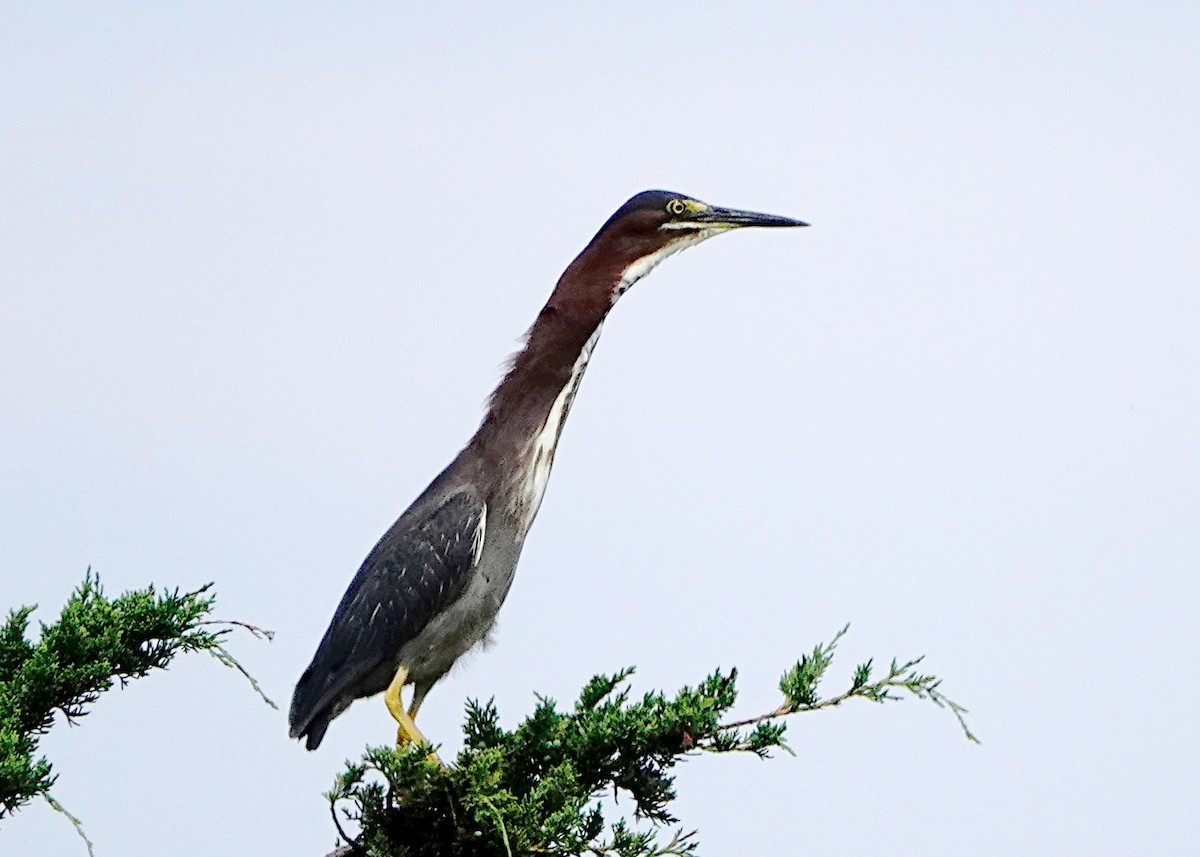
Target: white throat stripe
<point>646,264</point>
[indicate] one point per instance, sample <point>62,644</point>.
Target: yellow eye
<point>676,207</point>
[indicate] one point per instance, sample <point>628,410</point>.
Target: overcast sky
<point>261,265</point>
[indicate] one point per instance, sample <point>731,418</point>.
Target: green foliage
<point>533,789</point>
<point>799,685</point>
<point>536,789</point>
<point>95,642</point>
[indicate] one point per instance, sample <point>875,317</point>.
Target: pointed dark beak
<point>733,217</point>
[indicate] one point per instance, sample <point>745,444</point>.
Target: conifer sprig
<point>537,789</point>
<point>799,687</point>
<point>97,641</point>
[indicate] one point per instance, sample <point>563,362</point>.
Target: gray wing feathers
<point>420,566</point>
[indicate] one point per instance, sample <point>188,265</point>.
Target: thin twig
<point>786,709</point>
<point>942,701</point>
<point>78,825</point>
<point>222,654</point>
<point>260,633</point>
<point>500,819</point>
<point>899,676</point>
<point>338,824</point>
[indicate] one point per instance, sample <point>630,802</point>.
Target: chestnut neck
<point>519,406</point>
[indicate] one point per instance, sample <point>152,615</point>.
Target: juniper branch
<point>97,641</point>
<point>537,789</point>
<point>799,687</point>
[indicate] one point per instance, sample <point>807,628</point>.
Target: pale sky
<point>261,264</point>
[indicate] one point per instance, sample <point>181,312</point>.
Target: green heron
<point>430,589</point>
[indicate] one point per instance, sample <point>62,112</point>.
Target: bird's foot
<point>403,739</point>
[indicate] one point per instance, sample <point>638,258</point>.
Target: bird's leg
<point>407,728</point>
<point>419,691</point>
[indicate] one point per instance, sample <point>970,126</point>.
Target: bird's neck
<point>516,441</point>
<point>519,434</point>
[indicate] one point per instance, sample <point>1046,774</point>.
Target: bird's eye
<point>676,207</point>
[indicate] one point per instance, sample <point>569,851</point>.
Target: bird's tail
<point>311,712</point>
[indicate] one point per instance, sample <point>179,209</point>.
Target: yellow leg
<point>418,697</point>
<point>407,730</point>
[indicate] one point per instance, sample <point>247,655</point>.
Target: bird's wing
<point>420,566</point>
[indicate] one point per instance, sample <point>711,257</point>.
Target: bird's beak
<point>733,218</point>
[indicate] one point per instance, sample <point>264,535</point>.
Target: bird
<point>430,589</point>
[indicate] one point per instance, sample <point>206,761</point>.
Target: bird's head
<point>656,223</point>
